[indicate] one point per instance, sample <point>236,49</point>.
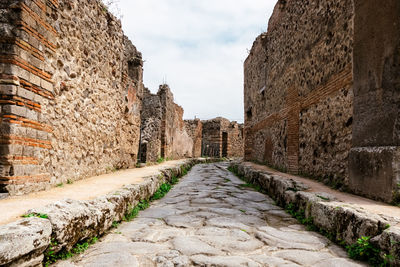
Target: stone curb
<point>24,242</point>
<point>342,220</point>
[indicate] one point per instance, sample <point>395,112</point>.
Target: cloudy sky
<point>198,47</point>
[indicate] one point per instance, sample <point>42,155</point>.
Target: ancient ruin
<point>222,138</point>
<point>322,100</point>
<point>316,105</point>
<point>73,103</point>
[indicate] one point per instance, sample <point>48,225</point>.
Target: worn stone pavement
<point>209,219</point>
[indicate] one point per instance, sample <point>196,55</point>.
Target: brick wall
<point>71,90</point>
<point>298,90</point>
<point>163,133</point>
<point>222,138</point>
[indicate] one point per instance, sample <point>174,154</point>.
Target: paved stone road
<point>208,219</point>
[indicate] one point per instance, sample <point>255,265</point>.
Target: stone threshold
<point>24,242</point>
<point>346,216</point>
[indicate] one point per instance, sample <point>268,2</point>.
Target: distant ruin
<point>73,103</point>
<point>322,96</point>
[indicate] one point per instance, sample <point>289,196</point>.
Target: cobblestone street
<point>211,219</point>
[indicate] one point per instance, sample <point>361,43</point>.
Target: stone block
<point>15,110</point>
<point>25,93</point>
<point>32,115</point>
<point>27,239</point>
<point>375,172</point>
<point>46,85</point>
<point>8,89</point>
<point>93,218</point>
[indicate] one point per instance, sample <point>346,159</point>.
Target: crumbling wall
<point>182,143</point>
<point>235,140</point>
<point>163,132</point>
<point>298,90</point>
<point>150,140</point>
<point>222,138</point>
<point>194,128</point>
<point>71,85</point>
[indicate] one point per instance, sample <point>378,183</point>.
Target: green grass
<point>363,250</point>
<point>51,256</point>
<point>38,215</point>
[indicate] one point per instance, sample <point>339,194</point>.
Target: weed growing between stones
<point>38,215</point>
<point>362,250</point>
<point>51,257</point>
<point>161,160</point>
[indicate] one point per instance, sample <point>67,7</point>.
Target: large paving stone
<point>184,221</point>
<point>233,261</point>
<point>231,244</point>
<point>110,259</point>
<point>190,245</point>
<point>157,212</point>
<point>157,235</point>
<point>227,223</point>
<point>26,238</point>
<point>290,239</point>
<point>303,257</point>
<point>270,261</point>
<point>338,262</point>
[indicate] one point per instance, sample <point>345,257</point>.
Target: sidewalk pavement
<point>389,212</point>
<point>13,207</point>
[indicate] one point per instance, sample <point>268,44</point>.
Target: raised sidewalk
<point>13,207</point>
<point>342,216</point>
<point>61,217</point>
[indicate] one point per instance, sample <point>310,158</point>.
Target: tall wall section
<point>222,138</point>
<point>194,128</point>
<point>71,88</point>
<point>298,90</point>
<point>163,132</point>
<point>150,139</point>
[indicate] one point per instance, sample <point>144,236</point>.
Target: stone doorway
<point>224,144</point>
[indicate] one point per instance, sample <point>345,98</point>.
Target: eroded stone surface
<point>195,225</point>
<point>26,238</point>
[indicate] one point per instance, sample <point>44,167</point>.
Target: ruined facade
<point>322,94</point>
<point>71,89</point>
<point>374,161</point>
<point>163,131</point>
<point>195,130</point>
<point>299,90</point>
<point>222,138</point>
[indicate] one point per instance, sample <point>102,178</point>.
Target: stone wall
<point>375,157</point>
<point>163,132</point>
<point>298,90</point>
<point>222,138</point>
<point>195,130</point>
<point>150,139</point>
<point>71,89</point>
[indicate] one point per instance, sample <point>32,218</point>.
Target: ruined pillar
<point>374,162</point>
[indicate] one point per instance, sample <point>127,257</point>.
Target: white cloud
<point>199,46</point>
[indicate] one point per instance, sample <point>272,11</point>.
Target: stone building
<point>71,90</point>
<point>222,138</point>
<point>320,93</point>
<point>195,130</point>
<point>163,131</point>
